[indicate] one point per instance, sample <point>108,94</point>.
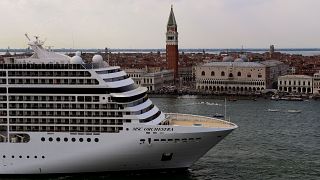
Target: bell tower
<point>172,53</point>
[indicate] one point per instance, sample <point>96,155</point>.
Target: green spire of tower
<point>172,19</point>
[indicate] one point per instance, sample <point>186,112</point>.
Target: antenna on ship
<point>27,36</point>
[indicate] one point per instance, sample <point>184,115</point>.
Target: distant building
<point>271,50</point>
<point>316,83</point>
<point>172,53</point>
<point>153,80</point>
<point>237,76</point>
<point>300,84</point>
<point>186,75</point>
<point>274,69</point>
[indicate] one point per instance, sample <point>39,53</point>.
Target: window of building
<point>212,73</point>
<point>203,73</point>
<point>248,75</point>
<point>230,75</point>
<point>239,74</point>
<point>222,73</point>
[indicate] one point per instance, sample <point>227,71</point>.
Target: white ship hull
<point>117,152</point>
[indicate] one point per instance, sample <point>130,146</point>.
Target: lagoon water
<point>267,145</point>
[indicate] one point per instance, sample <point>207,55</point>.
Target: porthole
<point>89,139</point>
<point>43,139</point>
<point>65,139</point>
<point>81,139</point>
<point>50,139</point>
<point>28,157</point>
<point>73,139</point>
<point>35,157</point>
<point>127,129</point>
<point>12,156</point>
<point>58,139</point>
<point>4,156</point>
<point>20,157</point>
<point>43,157</point>
<point>96,139</point>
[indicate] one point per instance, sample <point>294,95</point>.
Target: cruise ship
<point>59,114</point>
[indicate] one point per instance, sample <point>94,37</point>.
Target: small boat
<point>294,111</point>
<point>217,115</point>
<point>232,99</point>
<point>273,110</point>
<point>212,104</point>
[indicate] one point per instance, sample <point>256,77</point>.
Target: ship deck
<point>176,119</point>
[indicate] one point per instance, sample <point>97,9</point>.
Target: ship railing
<point>171,118</point>
<point>93,65</point>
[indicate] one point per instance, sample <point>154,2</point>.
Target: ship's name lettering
<point>152,129</point>
<point>158,129</point>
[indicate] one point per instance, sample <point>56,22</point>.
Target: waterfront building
<point>172,53</point>
<point>274,69</point>
<point>152,79</point>
<point>316,83</point>
<point>186,75</point>
<point>300,84</point>
<point>237,76</point>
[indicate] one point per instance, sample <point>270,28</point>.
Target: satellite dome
<point>78,53</point>
<point>239,60</point>
<point>76,60</point>
<point>97,59</point>
<point>227,59</point>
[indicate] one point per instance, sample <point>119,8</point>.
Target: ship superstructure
<point>59,114</point>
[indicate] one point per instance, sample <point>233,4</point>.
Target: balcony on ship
<point>176,119</point>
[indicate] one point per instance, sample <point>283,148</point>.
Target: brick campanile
<point>172,53</point>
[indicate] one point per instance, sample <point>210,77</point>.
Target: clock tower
<point>172,53</point>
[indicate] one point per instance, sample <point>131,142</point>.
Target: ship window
<point>20,156</point>
<point>43,139</point>
<point>12,156</point>
<point>4,156</point>
<point>89,139</point>
<point>96,139</point>
<point>73,139</point>
<point>81,139</point>
<point>35,157</point>
<point>27,157</point>
<point>58,139</point>
<point>50,139</point>
<point>43,157</point>
<point>65,139</point>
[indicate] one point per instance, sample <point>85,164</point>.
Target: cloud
<point>142,23</point>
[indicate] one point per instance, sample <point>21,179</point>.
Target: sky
<point>142,23</point>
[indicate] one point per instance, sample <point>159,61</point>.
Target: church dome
<point>227,59</point>
<point>239,60</point>
<point>244,58</point>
